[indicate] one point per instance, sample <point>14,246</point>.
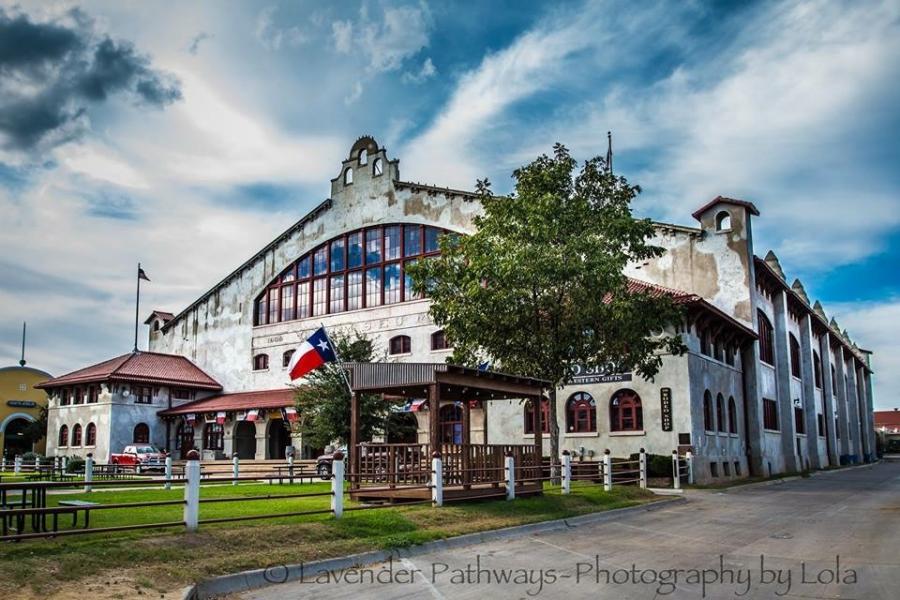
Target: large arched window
<point>709,420</point>
<point>723,221</point>
<point>90,438</point>
<point>286,358</point>
<point>63,439</point>
<point>439,340</point>
<point>625,412</point>
<point>360,269</point>
<point>348,176</point>
<point>400,344</point>
<point>545,416</point>
<point>720,412</point>
<point>581,413</point>
<point>732,415</point>
<point>260,362</point>
<point>766,339</point>
<point>451,421</point>
<point>141,434</point>
<point>795,356</point>
<point>76,435</point>
<point>817,369</point>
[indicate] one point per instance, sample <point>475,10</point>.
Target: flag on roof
<point>142,274</point>
<point>413,406</point>
<point>220,417</point>
<point>289,414</point>
<point>191,418</point>
<point>312,354</point>
<point>253,415</point>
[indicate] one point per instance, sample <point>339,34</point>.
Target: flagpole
<point>137,307</point>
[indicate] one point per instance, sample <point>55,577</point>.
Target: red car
<point>143,456</point>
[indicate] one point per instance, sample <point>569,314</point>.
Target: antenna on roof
<point>609,153</point>
<point>22,360</point>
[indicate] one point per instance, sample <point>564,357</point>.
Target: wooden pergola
<point>437,382</point>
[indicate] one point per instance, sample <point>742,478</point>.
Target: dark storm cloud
<point>52,73</point>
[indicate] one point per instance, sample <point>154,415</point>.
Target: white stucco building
<point>769,384</point>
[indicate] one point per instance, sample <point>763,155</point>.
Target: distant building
<point>887,427</point>
<point>769,383</point>
<point>20,404</point>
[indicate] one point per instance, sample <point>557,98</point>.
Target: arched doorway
<point>14,440</point>
<point>451,420</point>
<point>184,439</point>
<point>278,438</point>
<point>245,440</point>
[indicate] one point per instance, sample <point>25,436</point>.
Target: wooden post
<point>434,410</point>
<point>676,471</point>
<point>642,466</point>
<point>510,472</point>
<point>337,485</point>
<point>538,436</point>
<point>466,446</point>
<point>566,472</point>
<point>607,471</point>
<point>437,479</point>
<point>354,441</point>
<point>192,491</point>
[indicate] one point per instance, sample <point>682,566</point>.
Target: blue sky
<point>187,135</point>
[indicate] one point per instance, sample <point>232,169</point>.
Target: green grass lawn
<point>165,560</point>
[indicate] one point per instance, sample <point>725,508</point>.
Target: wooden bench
<point>81,504</point>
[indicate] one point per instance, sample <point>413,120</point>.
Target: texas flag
<point>312,354</point>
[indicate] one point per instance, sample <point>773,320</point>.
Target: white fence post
<point>607,471</point>
<point>17,464</point>
<point>566,472</point>
<point>235,468</point>
<point>168,472</point>
<point>88,472</point>
<point>690,467</point>
<point>510,472</point>
<point>643,469</point>
<point>437,480</point>
<point>3,463</point>
<point>64,460</point>
<point>337,485</point>
<point>676,470</point>
<point>37,464</point>
<point>291,469</point>
<point>192,492</point>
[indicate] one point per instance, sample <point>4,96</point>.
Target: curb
<point>277,574</point>
<point>781,480</point>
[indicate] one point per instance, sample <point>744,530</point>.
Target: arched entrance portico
<point>278,437</point>
<point>245,440</point>
<point>13,430</point>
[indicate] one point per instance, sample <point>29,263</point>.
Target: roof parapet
<point>798,288</point>
<point>773,262</point>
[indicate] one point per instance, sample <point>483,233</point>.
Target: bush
<point>75,465</point>
<point>658,465</point>
<point>29,457</point>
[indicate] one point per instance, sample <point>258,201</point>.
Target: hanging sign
<point>582,374</point>
<point>665,400</point>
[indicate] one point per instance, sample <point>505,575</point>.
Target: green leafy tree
<point>323,402</point>
<point>539,287</point>
<point>36,430</point>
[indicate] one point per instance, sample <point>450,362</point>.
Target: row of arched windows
<point>715,418</point>
<point>399,344</point>
<point>767,351</point>
<point>625,413</point>
<point>90,435</point>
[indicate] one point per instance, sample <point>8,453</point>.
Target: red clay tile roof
<point>887,418</point>
<point>141,367</point>
<point>748,205</point>
<point>235,402</point>
<point>164,316</point>
<point>655,290</point>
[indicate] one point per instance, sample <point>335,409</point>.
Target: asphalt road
<point>836,535</point>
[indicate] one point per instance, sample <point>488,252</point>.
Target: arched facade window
<point>720,412</point>
<point>377,167</point>
<point>439,341</point>
<point>795,356</point>
<point>400,344</point>
<point>141,434</point>
<point>817,369</point>
<point>625,412</point>
<point>260,362</point>
<point>545,416</point>
<point>363,157</point>
<point>581,413</point>
<point>63,439</point>
<point>709,419</point>
<point>723,221</point>
<point>286,357</point>
<point>732,415</point>
<point>348,176</point>
<point>90,437</point>
<point>451,421</point>
<point>766,339</point>
<point>833,380</point>
<point>76,435</point>
<point>359,269</point>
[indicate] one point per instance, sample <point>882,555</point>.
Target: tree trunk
<point>554,439</point>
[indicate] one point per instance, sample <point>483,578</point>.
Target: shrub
<point>658,465</point>
<point>75,465</point>
<point>29,457</point>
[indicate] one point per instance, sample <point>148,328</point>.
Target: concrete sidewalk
<point>831,536</point>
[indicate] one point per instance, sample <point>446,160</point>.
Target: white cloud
<point>354,94</point>
<point>427,71</point>
<point>272,36</point>
<point>385,43</point>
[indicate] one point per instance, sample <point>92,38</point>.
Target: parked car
<point>324,462</point>
<point>140,456</point>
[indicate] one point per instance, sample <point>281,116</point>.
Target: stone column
<point>753,403</point>
<point>828,399</point>
<point>866,434</point>
<point>808,398</point>
<point>870,408</point>
<point>783,382</point>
